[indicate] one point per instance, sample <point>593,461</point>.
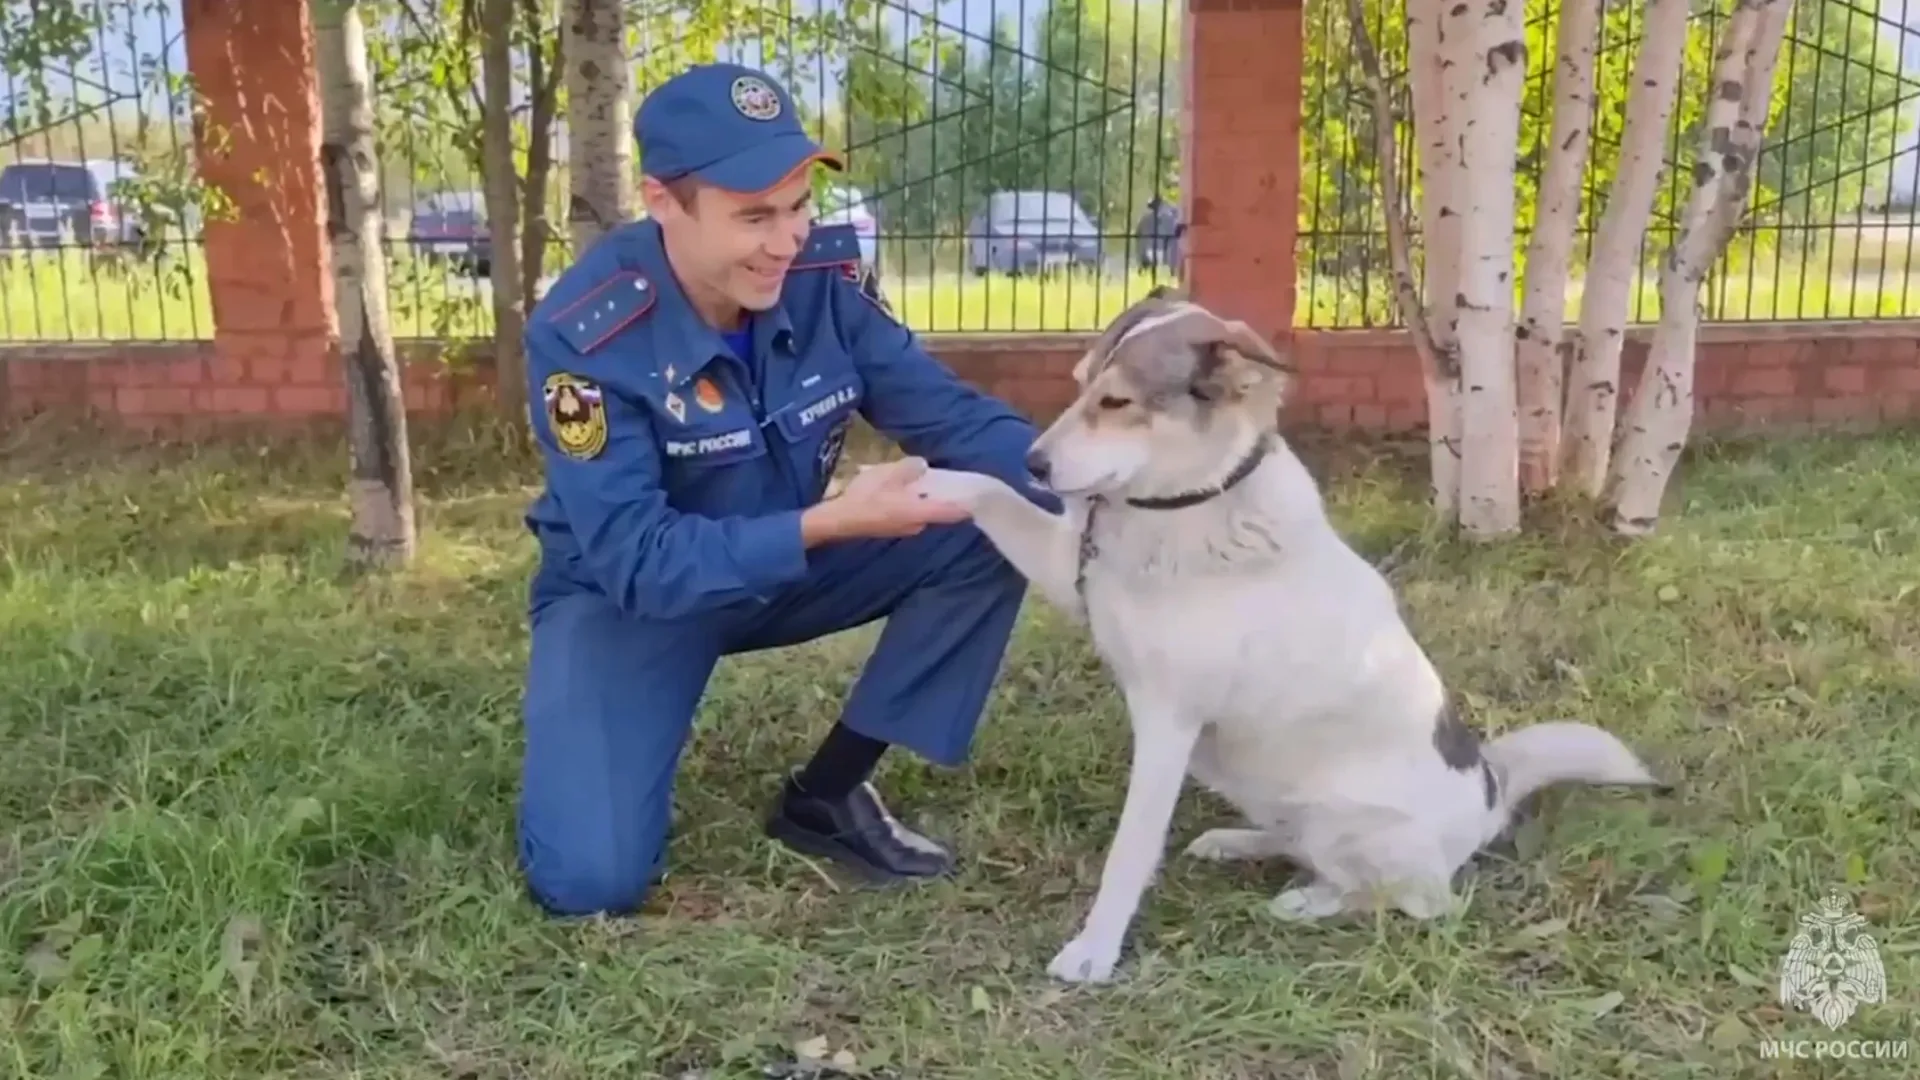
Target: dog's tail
<point>1538,756</point>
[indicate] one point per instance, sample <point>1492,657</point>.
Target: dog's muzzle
<point>1038,465</point>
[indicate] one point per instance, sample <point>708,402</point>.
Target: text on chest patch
<point>813,413</point>
<point>710,444</point>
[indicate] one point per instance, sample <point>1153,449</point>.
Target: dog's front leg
<point>1042,547</point>
<point>1163,742</point>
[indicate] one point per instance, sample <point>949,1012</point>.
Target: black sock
<point>845,759</point>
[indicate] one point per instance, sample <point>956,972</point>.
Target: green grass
<point>50,296</point>
<point>256,821</point>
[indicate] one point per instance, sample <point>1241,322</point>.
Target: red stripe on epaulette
<point>625,278</point>
<point>621,278</point>
<point>622,324</point>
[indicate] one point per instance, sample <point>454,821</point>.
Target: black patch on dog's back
<point>1459,748</point>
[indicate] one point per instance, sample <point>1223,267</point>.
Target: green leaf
<point>1709,864</point>
<point>1856,868</point>
<point>1729,1035</point>
<point>1604,1004</point>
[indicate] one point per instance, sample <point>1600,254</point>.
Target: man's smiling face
<point>730,249</point>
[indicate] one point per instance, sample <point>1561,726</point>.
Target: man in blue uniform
<point>693,377</point>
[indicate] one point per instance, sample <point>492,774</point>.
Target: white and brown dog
<point>1255,649</point>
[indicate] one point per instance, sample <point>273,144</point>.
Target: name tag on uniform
<point>710,444</point>
<point>826,406</point>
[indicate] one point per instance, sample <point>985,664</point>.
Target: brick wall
<point>1748,378</point>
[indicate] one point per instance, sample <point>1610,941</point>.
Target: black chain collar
<point>1089,550</point>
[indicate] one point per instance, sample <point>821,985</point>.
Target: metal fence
<point>99,236</point>
<point>1830,228</point>
<point>1013,163</point>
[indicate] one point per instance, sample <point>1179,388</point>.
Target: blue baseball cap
<point>728,125</point>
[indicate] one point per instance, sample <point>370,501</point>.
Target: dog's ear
<point>1156,302</point>
<point>1238,361</point>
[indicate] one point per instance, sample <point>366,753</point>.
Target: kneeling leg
<point>609,704</point>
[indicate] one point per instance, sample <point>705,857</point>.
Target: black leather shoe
<point>856,832</point>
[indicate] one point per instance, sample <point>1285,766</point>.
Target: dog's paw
<point>1228,845</point>
<point>1307,903</point>
<point>1431,901</point>
<point>1084,961</point>
<point>965,489</point>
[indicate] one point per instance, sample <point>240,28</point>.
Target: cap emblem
<point>755,99</point>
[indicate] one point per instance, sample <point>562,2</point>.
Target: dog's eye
<point>1198,394</point>
<point>1111,402</point>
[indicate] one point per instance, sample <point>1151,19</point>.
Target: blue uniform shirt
<point>676,470</point>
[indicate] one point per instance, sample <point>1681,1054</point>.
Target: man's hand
<point>879,502</point>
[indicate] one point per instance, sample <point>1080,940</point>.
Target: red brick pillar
<point>1240,174</point>
<point>258,136</point>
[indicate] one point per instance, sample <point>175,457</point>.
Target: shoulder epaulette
<point>604,310</point>
<point>835,246</point>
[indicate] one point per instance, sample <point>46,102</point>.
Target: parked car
<point>452,225</point>
<point>840,205</point>
<point>46,203</point>
<point>1026,232</point>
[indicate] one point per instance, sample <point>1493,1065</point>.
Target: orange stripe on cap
<point>820,157</point>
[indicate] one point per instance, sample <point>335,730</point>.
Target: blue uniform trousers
<point>610,699</point>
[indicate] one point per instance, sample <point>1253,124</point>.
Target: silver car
<point>1027,232</point>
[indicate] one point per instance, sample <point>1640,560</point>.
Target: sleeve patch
<point>606,309</point>
<point>577,414</point>
<point>869,288</point>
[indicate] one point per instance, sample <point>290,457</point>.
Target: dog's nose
<point>1037,465</point>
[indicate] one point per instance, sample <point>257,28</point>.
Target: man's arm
<point>650,558</point>
<point>932,413</point>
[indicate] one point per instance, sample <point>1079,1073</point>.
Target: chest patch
<point>830,447</point>
<point>819,410</point>
<point>706,445</point>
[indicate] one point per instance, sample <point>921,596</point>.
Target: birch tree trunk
<point>599,107</point>
<point>543,103</point>
<point>1540,356</point>
<point>1493,36</point>
<point>1593,378</point>
<point>380,484</point>
<point>1661,413</point>
<point>1441,172</point>
<point>502,182</point>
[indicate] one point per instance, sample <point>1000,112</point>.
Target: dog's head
<point>1171,397</point>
